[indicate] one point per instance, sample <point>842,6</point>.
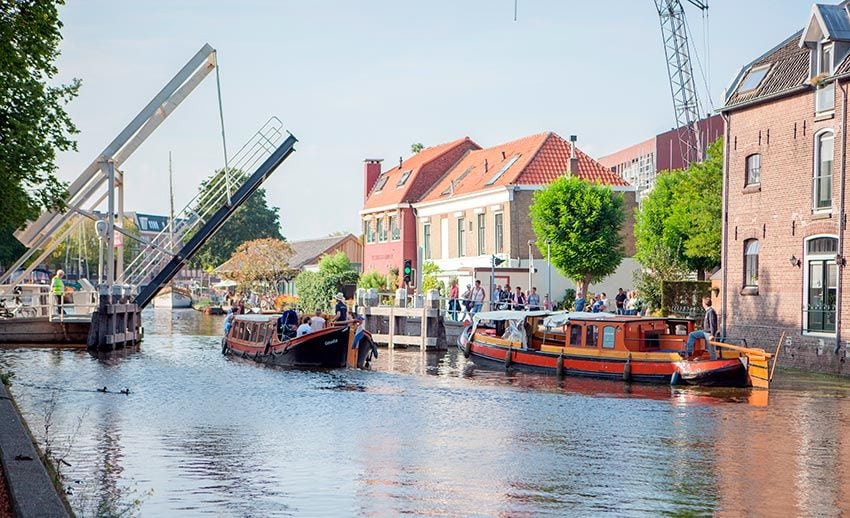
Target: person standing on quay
<point>533,300</point>
<point>478,296</point>
<point>454,303</point>
<point>57,288</point>
<point>621,301</point>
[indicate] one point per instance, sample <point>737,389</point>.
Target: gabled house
<point>480,208</point>
<point>784,266</point>
<point>389,223</point>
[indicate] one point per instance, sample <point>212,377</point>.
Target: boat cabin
<point>617,332</point>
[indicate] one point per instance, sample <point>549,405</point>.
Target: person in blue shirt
<point>580,302</point>
<point>340,310</point>
<point>598,304</point>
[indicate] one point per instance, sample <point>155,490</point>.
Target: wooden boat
<point>631,348</point>
<point>256,337</point>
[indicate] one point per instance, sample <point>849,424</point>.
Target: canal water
<point>421,434</point>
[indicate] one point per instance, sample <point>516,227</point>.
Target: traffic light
<point>407,271</point>
<point>497,260</point>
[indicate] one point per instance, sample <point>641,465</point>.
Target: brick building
<point>389,222</point>
<point>784,195</point>
<point>481,207</point>
<point>640,163</point>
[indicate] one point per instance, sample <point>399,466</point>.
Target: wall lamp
<point>840,260</point>
<point>794,261</point>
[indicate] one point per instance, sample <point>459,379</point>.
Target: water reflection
<point>423,433</point>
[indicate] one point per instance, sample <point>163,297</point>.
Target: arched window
<point>824,156</point>
<point>751,263</point>
<point>753,169</point>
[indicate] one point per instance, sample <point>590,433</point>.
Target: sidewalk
<point>29,489</point>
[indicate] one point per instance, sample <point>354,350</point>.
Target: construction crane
<point>674,33</point>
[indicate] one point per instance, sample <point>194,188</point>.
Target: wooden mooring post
<point>117,323</point>
<point>399,325</point>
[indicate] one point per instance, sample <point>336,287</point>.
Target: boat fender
<point>508,358</point>
<point>560,368</point>
<point>676,378</point>
<point>627,369</point>
<point>224,346</point>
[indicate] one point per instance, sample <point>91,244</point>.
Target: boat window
<point>591,335</point>
<point>608,334</point>
<point>240,330</point>
<point>261,336</point>
<point>575,335</point>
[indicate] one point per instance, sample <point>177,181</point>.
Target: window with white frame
<point>499,233</point>
<point>395,231</point>
<point>369,231</point>
<point>381,230</point>
<point>481,229</point>
<point>821,285</point>
<point>426,240</point>
<point>824,156</point>
<point>751,263</point>
<point>753,169</point>
<point>460,241</point>
<point>825,59</point>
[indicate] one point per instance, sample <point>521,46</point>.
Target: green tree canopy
<point>253,220</point>
<point>317,289</point>
<point>416,147</point>
<point>683,215</point>
<point>261,262</point>
<point>582,223</point>
<point>33,121</point>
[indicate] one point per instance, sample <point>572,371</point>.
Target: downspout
<point>841,217</point>
<point>724,262</point>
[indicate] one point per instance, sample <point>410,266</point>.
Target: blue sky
<point>357,79</point>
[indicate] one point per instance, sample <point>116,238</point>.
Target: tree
<point>582,223</point>
<point>372,279</point>
<point>416,147</point>
<point>429,278</point>
<point>261,262</point>
<point>682,214</point>
<point>253,220</point>
<point>33,121</point>
<point>317,289</point>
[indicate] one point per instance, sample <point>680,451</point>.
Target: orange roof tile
<point>392,187</point>
<point>533,160</point>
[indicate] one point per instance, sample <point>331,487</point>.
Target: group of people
<point>472,300</point>
<point>290,324</point>
<point>625,303</point>
<point>241,300</point>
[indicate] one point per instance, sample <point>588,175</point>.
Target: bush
<point>317,289</point>
<point>374,280</point>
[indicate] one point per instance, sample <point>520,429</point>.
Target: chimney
<point>371,172</point>
<point>573,157</point>
<point>503,155</point>
<point>485,165</point>
<point>400,162</point>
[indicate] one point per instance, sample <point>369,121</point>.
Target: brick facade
<point>778,212</point>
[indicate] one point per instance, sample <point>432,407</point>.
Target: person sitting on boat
<point>708,331</point>
<point>340,310</point>
<point>580,302</point>
<point>228,321</point>
<point>317,322</point>
<point>304,328</point>
<point>286,324</point>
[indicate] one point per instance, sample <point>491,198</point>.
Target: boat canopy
<point>256,317</point>
<point>562,318</point>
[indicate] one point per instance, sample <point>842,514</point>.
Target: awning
<point>226,283</point>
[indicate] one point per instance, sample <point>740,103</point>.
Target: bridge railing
<point>216,194</point>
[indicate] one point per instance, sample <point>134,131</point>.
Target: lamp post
<point>549,270</point>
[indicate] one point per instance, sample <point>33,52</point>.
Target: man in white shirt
<point>304,328</point>
<point>318,321</point>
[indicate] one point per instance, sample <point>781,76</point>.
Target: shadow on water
<point>435,433</point>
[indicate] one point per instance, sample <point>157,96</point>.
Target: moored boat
<point>602,345</point>
<point>256,337</point>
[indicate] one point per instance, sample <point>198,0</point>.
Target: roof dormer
<point>827,36</point>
